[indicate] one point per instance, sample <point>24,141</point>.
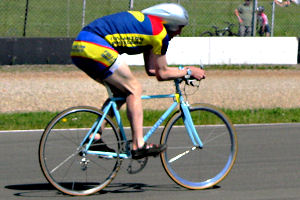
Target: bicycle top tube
<point>178,91</point>
<point>146,97</point>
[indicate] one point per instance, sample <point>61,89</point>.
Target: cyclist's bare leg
<point>123,79</point>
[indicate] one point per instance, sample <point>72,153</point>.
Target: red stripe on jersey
<point>156,23</point>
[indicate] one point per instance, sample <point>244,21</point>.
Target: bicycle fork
<point>189,125</point>
<point>192,132</point>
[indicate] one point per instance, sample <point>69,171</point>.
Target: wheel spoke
<point>181,154</point>
<point>210,139</point>
<point>62,163</point>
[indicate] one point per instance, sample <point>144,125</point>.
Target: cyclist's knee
<point>134,87</point>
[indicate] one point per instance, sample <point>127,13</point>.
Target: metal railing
<point>65,18</point>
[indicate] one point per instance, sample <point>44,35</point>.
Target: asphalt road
<point>267,167</point>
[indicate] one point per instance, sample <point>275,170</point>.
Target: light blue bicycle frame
<point>178,99</point>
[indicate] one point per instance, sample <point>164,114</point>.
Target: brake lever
<point>190,82</point>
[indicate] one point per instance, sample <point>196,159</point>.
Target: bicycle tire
<point>60,155</point>
<point>206,34</point>
<point>195,168</point>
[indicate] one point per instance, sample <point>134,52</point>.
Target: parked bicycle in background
<point>227,31</point>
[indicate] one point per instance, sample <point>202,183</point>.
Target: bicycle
<point>227,31</point>
<point>198,156</point>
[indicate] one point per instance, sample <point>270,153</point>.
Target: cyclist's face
<point>174,33</point>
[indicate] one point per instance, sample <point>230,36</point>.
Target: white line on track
<point>236,125</point>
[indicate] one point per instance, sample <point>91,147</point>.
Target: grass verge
<point>39,120</point>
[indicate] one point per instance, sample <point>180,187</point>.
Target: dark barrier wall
<point>41,51</point>
<point>35,51</point>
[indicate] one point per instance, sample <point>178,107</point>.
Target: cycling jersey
<point>98,45</point>
<point>131,32</point>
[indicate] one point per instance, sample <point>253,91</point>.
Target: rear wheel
<point>63,160</point>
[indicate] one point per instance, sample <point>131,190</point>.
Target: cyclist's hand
<point>197,72</point>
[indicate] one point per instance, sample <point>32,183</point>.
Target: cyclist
<point>97,49</point>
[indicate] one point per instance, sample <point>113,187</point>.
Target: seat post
<point>110,94</point>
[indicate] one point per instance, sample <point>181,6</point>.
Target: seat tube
<point>118,120</point>
<point>188,122</point>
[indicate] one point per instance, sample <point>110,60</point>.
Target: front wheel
<point>63,159</point>
<point>193,167</point>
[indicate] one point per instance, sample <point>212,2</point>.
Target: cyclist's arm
<point>281,4</point>
<point>157,65</point>
<point>150,69</point>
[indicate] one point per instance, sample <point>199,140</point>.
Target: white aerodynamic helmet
<point>172,14</point>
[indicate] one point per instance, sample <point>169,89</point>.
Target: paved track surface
<point>267,167</point>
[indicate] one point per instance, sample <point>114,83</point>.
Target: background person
<point>286,3</point>
<point>263,24</point>
<point>244,15</point>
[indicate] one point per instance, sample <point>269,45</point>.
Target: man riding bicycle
<point>97,49</point>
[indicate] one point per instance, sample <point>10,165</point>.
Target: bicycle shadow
<point>47,190</point>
